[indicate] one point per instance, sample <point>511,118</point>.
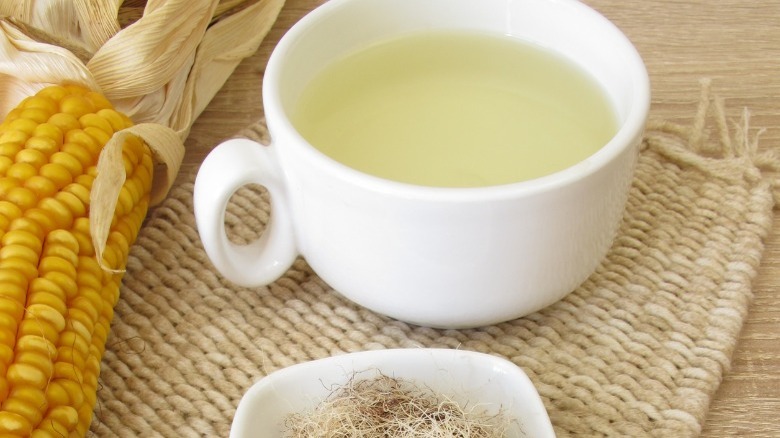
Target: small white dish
<point>466,377</point>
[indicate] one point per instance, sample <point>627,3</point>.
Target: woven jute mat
<point>637,350</point>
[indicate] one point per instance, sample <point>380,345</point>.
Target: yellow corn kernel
<point>80,322</point>
<point>111,294</point>
<point>38,344</point>
<point>64,122</point>
<point>10,149</point>
<point>58,212</point>
<point>66,371</point>
<point>41,328</point>
<point>22,237</point>
<point>57,173</point>
<point>81,233</point>
<point>48,431</point>
<point>119,242</point>
<point>21,171</point>
<point>20,374</point>
<point>100,136</point>
<point>78,190</point>
<point>56,264</point>
<point>73,203</point>
<point>26,126</point>
<point>64,239</point>
<point>41,186</point>
<point>10,117</point>
<point>100,334</point>
<point>86,306</point>
<point>66,416</point>
<point>29,270</point>
<point>91,290</point>
<point>49,130</point>
<point>133,150</point>
<point>66,283</point>
<point>48,299</point>
<point>125,226</point>
<point>91,369</point>
<point>28,226</point>
<point>90,273</point>
<point>13,278</point>
<point>61,252</point>
<point>18,251</point>
<point>93,120</point>
<point>42,102</point>
<point>71,355</point>
<point>79,136</point>
<point>75,105</point>
<point>85,180</point>
<point>33,396</point>
<point>69,162</point>
<point>13,136</point>
<point>8,336</point>
<point>9,209</point>
<point>4,387</point>
<point>77,343</point>
<point>5,163</point>
<point>26,409</point>
<point>8,325</point>
<point>73,393</point>
<point>6,357</point>
<point>38,115</point>
<point>136,189</point>
<point>12,423</point>
<point>124,203</point>
<point>115,119</point>
<point>56,393</point>
<point>111,257</point>
<point>33,157</point>
<point>53,92</point>
<point>44,312</point>
<point>79,152</point>
<point>12,291</point>
<point>44,145</point>
<point>6,184</point>
<point>11,307</point>
<point>40,217</point>
<point>21,196</point>
<point>37,358</point>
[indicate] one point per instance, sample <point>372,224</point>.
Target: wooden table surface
<point>736,43</point>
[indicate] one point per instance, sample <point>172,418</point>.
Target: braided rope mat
<point>638,350</point>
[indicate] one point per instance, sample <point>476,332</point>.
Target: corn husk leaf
<point>112,175</point>
<point>220,52</point>
<point>160,68</point>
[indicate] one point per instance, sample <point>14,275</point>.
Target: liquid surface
<point>451,109</point>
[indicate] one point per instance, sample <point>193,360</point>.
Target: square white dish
<point>464,376</point>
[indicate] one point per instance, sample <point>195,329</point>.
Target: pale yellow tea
<point>453,109</point>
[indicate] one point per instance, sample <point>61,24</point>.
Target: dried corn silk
<point>389,407</point>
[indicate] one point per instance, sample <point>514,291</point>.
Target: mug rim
<point>628,134</point>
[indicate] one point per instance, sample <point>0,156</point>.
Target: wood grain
<point>736,44</point>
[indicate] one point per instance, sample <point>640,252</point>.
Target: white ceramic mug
<point>442,257</point>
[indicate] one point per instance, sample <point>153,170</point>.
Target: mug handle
<point>231,165</point>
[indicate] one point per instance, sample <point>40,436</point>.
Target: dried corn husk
<point>159,61</point>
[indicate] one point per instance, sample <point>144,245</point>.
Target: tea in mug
<point>455,109</point>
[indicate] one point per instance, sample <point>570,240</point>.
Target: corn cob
<point>56,302</point>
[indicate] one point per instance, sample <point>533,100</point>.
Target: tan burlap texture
<point>638,350</point>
